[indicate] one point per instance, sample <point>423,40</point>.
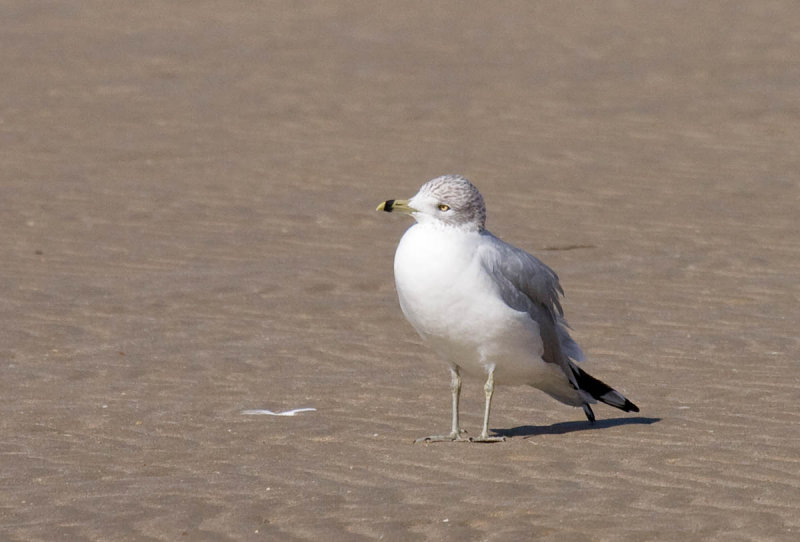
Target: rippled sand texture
<point>187,194</point>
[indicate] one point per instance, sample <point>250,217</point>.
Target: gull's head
<point>449,200</point>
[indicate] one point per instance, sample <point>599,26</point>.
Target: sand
<point>187,231</point>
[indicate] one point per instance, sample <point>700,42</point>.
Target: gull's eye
<point>443,207</point>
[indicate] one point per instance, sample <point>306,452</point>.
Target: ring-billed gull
<point>486,307</point>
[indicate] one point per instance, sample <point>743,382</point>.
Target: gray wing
<point>526,284</point>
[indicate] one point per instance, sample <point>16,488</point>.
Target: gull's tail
<point>601,391</point>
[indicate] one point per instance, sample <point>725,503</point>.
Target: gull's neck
<point>444,227</point>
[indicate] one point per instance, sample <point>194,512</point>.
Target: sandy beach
<point>188,231</point>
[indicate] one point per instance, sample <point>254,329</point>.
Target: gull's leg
<point>488,390</point>
<point>455,391</point>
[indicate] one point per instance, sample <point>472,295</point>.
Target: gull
<point>487,308</point>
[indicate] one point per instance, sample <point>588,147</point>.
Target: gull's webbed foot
<point>488,439</point>
<point>452,437</point>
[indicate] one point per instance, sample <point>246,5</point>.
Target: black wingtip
<point>630,407</point>
<point>602,391</point>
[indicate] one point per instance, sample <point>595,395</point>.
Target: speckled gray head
<point>451,200</point>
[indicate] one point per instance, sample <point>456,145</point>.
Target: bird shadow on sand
<point>570,427</point>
